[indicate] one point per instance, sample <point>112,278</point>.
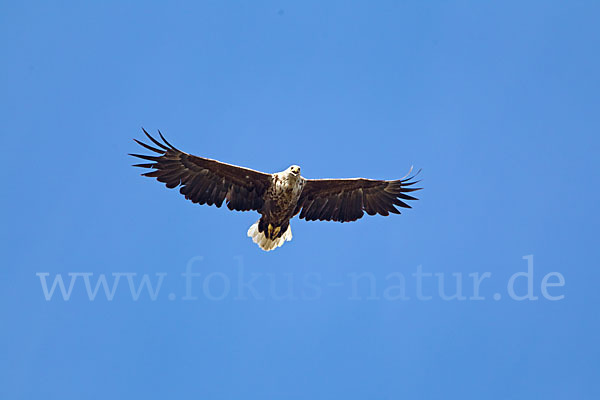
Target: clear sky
<point>497,103</point>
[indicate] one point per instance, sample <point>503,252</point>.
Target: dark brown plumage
<point>205,181</point>
<point>346,200</point>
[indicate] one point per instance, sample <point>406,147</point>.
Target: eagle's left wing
<point>346,200</point>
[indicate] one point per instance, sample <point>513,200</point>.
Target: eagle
<point>276,197</point>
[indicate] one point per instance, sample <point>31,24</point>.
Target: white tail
<point>267,244</point>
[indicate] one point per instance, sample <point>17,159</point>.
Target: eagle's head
<point>294,170</point>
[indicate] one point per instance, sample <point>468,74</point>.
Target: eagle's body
<point>277,197</point>
<point>281,198</point>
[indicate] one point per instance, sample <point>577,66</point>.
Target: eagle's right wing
<point>346,200</point>
<point>203,180</point>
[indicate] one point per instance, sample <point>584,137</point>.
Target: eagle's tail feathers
<point>265,243</point>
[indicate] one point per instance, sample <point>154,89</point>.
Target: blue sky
<point>498,103</point>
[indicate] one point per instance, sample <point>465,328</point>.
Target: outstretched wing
<point>203,180</point>
<point>346,200</point>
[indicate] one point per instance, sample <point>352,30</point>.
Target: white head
<point>294,170</point>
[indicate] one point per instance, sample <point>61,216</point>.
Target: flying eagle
<point>277,197</point>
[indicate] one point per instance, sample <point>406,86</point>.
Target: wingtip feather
<point>165,140</point>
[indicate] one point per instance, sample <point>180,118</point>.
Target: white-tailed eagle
<point>277,197</point>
